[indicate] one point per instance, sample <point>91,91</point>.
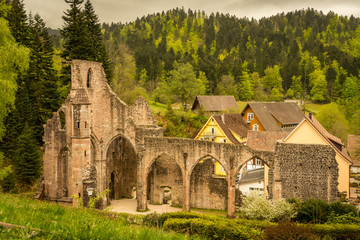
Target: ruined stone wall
<point>304,171</point>
<point>206,190</point>
<point>165,172</point>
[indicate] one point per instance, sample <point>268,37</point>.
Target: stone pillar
<point>141,183</point>
<point>186,192</point>
<point>231,197</point>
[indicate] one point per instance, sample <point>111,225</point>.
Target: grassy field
<point>58,222</point>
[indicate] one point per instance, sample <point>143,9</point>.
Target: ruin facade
<point>96,141</point>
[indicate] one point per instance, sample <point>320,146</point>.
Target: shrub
<point>157,220</point>
<point>256,206</point>
<point>317,211</point>
<point>289,230</point>
<point>338,231</point>
<point>354,184</point>
<point>314,211</point>
<point>212,230</point>
<point>349,218</point>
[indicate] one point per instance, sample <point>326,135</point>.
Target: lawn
<point>59,222</point>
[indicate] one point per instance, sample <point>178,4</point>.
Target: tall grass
<point>59,222</point>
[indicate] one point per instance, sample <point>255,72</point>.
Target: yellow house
<point>272,117</point>
<point>225,128</point>
<point>276,117</point>
<point>310,131</point>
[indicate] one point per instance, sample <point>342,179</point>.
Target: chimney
<point>223,118</point>
<point>310,115</point>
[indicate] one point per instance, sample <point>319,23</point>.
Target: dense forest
<point>170,57</point>
<point>301,54</point>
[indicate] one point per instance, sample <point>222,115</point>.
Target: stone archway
<point>164,177</point>
<point>208,190</point>
<point>121,168</point>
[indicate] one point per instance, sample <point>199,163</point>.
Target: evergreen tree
<point>96,47</point>
<point>43,82</point>
<point>74,34</point>
<point>27,158</point>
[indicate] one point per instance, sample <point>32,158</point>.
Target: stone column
<point>141,183</point>
<point>231,196</point>
<point>186,192</point>
<point>186,183</point>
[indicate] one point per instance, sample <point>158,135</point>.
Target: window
<point>78,124</point>
<point>213,139</point>
<point>84,153</point>
<point>201,138</point>
<point>85,124</point>
<point>224,140</point>
<point>89,78</point>
<point>258,162</point>
<point>250,116</point>
<point>256,127</point>
<point>212,120</point>
<point>212,131</point>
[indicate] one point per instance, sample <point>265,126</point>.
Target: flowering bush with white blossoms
<point>256,206</point>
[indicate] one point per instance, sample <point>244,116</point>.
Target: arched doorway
<point>164,182</point>
<point>252,176</point>
<point>121,169</point>
<point>208,185</point>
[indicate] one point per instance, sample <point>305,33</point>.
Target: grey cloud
<point>129,10</point>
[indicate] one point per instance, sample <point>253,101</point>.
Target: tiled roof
<point>265,141</point>
<point>353,144</point>
<point>232,122</point>
<point>215,103</point>
<point>335,142</point>
<point>271,114</point>
<point>252,175</point>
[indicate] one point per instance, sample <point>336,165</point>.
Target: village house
<point>310,131</point>
<point>272,117</point>
<point>225,128</point>
<point>353,145</point>
<point>277,116</point>
<point>215,104</point>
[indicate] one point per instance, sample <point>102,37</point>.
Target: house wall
<point>306,134</point>
<point>254,121</point>
<point>245,187</point>
<point>219,137</point>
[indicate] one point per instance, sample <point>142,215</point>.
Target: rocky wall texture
<point>304,171</point>
<point>207,190</point>
<point>165,174</point>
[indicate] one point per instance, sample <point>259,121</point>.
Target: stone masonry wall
<point>206,190</point>
<point>165,172</point>
<point>304,171</point>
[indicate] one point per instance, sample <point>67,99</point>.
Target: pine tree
<point>42,76</point>
<point>83,37</point>
<point>27,158</point>
<point>96,46</point>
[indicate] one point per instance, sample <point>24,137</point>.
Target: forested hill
<point>316,55</point>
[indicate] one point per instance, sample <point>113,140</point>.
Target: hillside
<point>316,55</point>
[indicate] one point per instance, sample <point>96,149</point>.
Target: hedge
<point>338,231</point>
<point>212,230</point>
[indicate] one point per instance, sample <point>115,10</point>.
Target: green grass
<point>241,105</point>
<point>157,108</point>
<point>313,107</point>
<point>59,222</point>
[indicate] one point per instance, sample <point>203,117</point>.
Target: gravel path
<point>129,206</point>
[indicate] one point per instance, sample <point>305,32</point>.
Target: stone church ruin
<point>96,141</point>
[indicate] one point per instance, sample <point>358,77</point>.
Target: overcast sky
<point>128,10</point>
